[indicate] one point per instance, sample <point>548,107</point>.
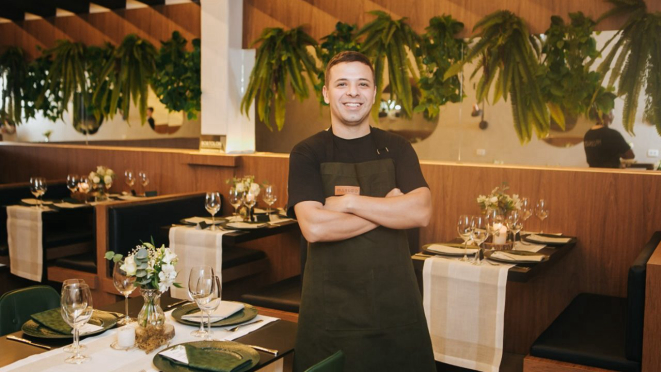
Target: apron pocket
<point>349,300</point>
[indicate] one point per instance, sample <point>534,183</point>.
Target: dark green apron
<point>360,295</point>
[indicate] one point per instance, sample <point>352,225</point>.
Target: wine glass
<point>212,204</point>
<point>84,186</point>
<point>464,230</point>
<point>479,233</point>
<point>72,182</point>
<point>144,180</point>
<point>38,188</point>
<point>201,285</point>
<point>76,307</point>
<point>210,303</point>
<point>129,178</point>
<point>72,347</point>
<point>125,284</point>
<point>541,212</point>
<point>514,224</point>
<point>236,198</point>
<point>269,197</point>
<point>249,200</point>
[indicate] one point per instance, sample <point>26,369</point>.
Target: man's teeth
<point>352,104</point>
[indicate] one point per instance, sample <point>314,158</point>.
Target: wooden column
<point>652,330</point>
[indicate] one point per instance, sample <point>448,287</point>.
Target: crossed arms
<point>343,217</point>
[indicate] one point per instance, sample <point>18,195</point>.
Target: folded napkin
<point>440,248</point>
<point>129,197</point>
<point>528,247</point>
<point>206,358</point>
<point>224,310</point>
<point>67,205</point>
<point>280,220</point>
<point>245,225</point>
<point>35,201</point>
<point>515,257</point>
<point>547,239</point>
<point>198,220</point>
<point>52,319</point>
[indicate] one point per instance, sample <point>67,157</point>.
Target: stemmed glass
<point>129,178</point>
<point>249,200</point>
<point>201,285</point>
<point>72,348</point>
<point>514,224</point>
<point>464,230</point>
<point>212,204</point>
<point>125,284</point>
<point>541,212</point>
<point>236,198</point>
<point>209,304</point>
<point>144,181</point>
<point>269,197</point>
<point>72,183</point>
<point>479,233</point>
<point>77,309</point>
<point>38,188</point>
<point>84,186</point>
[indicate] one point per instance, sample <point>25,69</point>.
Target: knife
<point>270,351</point>
<point>170,306</point>
<point>18,339</point>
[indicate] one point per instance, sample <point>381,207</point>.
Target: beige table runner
<point>24,238</point>
<point>195,247</point>
<point>465,306</point>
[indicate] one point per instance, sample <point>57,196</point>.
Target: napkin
<point>206,359</point>
<point>514,257</point>
<point>198,220</point>
<point>52,319</point>
<point>245,225</point>
<point>224,310</point>
<point>280,220</point>
<point>67,205</point>
<point>35,201</point>
<point>450,250</point>
<point>547,239</point>
<point>528,247</point>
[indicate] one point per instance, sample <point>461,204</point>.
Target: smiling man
<point>353,189</point>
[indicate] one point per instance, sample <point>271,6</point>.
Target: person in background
<point>150,119</point>
<point>354,189</point>
<point>605,146</point>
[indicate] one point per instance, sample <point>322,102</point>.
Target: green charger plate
<point>241,316</point>
<point>167,365</point>
<point>99,318</point>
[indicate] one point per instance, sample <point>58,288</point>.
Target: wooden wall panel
<point>652,333</point>
<point>320,16</point>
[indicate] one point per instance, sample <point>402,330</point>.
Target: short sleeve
<point>618,144</point>
<point>304,182</point>
<point>407,169</point>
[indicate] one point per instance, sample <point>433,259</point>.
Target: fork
<point>234,329</point>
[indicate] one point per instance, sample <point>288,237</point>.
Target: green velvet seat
<point>334,363</point>
<point>17,306</point>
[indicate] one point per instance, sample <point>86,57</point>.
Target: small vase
<point>151,313</point>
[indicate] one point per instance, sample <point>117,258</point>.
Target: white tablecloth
<point>106,359</point>
<point>24,238</point>
<point>195,247</point>
<point>465,306</point>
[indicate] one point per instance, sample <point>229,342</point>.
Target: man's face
<point>350,93</point>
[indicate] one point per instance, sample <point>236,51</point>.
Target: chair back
<point>17,306</point>
<point>636,300</point>
<point>334,363</point>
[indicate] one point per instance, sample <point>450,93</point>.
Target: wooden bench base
<point>284,315</point>
<point>536,364</point>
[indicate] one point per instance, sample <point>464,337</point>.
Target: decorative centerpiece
<point>496,205</point>
<point>155,273</point>
<point>248,189</point>
<point>102,180</point>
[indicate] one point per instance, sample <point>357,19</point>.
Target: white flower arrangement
<point>103,176</point>
<point>244,184</point>
<point>499,201</point>
<point>154,268</point>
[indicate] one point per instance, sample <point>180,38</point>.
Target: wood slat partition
<point>613,214</point>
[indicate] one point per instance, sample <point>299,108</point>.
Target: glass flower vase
<point>151,313</point>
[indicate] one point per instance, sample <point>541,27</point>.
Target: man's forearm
<point>320,225</point>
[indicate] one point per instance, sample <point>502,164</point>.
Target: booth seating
<point>596,330</point>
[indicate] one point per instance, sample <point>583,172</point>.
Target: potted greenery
<point>343,38</point>
<point>13,71</point>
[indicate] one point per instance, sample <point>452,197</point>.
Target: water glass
<point>269,197</point>
<point>514,224</point>
<point>72,182</point>
<point>209,304</point>
<point>76,308</point>
<point>212,204</point>
<point>38,188</point>
<point>72,348</point>
<point>479,233</point>
<point>464,230</point>
<point>144,180</point>
<point>129,178</point>
<point>249,200</point>
<point>84,186</point>
<point>125,284</point>
<point>526,209</point>
<point>201,284</point>
<point>542,212</point>
<point>235,198</point>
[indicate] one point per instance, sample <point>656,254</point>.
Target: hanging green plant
<point>100,84</point>
<point>566,80</point>
<point>507,50</point>
<point>638,64</point>
<point>13,74</point>
<point>388,39</point>
<point>439,49</point>
<point>341,40</point>
<point>134,65</point>
<point>38,97</point>
<point>282,57</point>
<point>178,76</point>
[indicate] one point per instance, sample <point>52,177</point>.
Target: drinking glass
<point>201,284</point>
<point>464,230</point>
<point>125,284</point>
<point>144,179</point>
<point>526,209</point>
<point>236,198</point>
<point>209,304</point>
<point>269,197</point>
<point>76,307</point>
<point>541,212</point>
<point>72,347</point>
<point>84,186</point>
<point>72,182</point>
<point>38,188</point>
<point>212,204</point>
<point>514,224</point>
<point>129,178</point>
<point>479,233</point>
<point>249,200</point>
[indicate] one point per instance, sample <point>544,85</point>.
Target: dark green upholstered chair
<point>334,363</point>
<point>17,306</point>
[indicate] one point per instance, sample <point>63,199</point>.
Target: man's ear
<point>324,91</point>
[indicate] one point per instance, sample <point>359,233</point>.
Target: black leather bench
<point>602,331</point>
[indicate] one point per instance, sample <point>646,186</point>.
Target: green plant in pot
<point>439,49</point>
<point>13,73</point>
<point>638,64</point>
<point>387,39</point>
<point>281,58</point>
<point>342,39</point>
<point>508,62</point>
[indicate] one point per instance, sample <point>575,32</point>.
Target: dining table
<point>276,335</point>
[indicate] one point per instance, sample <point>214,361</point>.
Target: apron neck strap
<point>374,135</point>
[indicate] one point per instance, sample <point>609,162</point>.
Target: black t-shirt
<point>305,183</point>
<point>604,147</point>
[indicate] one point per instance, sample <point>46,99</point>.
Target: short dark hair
<point>348,56</point>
